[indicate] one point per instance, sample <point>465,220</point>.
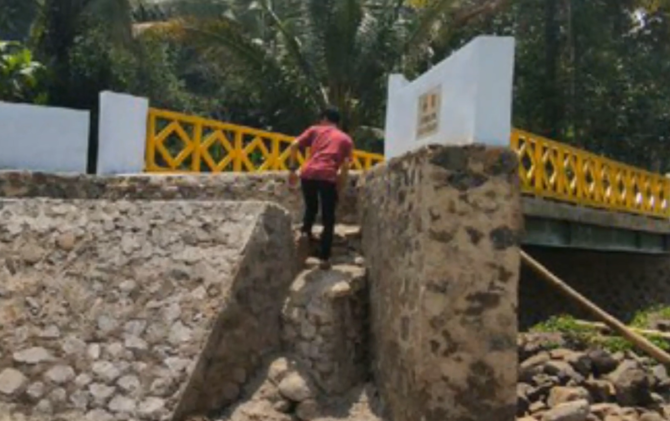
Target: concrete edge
<point>541,208</point>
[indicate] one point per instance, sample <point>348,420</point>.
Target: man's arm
<point>302,141</point>
<point>293,156</point>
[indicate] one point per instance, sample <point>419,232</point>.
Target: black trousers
<point>326,192</point>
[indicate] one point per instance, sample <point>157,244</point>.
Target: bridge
<point>206,261</point>
<point>572,198</point>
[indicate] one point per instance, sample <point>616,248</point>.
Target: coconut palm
<point>303,54</point>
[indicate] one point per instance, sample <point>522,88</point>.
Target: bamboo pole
<point>638,340</point>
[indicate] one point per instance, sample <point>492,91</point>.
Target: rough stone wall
<point>105,307</point>
<point>267,186</point>
<point>621,283</point>
<point>441,242</point>
<point>325,326</point>
<point>249,327</point>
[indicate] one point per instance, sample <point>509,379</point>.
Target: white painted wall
<point>44,139</point>
<point>476,99</point>
<point>122,133</point>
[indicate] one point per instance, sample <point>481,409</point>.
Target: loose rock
<point>631,384</point>
<point>295,388</point>
<point>560,395</point>
<point>571,411</point>
<point>307,410</point>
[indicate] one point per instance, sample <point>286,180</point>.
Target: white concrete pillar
<point>465,99</point>
<point>122,133</point>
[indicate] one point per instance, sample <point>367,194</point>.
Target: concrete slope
<point>117,310</point>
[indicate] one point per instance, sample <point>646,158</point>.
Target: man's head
<point>330,115</point>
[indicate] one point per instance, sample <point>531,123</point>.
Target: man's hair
<point>331,114</point>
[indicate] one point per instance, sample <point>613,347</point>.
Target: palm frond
<point>317,16</point>
<point>428,22</point>
<point>295,50</point>
<point>341,49</point>
<point>224,37</point>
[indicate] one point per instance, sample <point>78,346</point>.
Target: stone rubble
<point>557,383</point>
<point>284,392</point>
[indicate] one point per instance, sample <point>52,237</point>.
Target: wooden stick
<point>603,326</point>
<point>637,340</point>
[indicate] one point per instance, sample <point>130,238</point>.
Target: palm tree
<point>60,22</point>
<point>303,54</point>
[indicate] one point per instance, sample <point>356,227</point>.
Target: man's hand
<point>293,178</point>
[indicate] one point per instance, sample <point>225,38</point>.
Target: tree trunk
<point>552,109</point>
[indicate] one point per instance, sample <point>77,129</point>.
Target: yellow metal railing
<point>561,172</point>
<point>181,143</point>
<point>547,169</point>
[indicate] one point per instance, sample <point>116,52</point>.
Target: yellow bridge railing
<point>554,170</point>
<point>182,143</point>
<point>547,169</point>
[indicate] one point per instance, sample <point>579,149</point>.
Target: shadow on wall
<point>621,283</point>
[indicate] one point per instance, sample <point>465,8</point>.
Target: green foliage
<point>563,324</point>
<point>21,77</point>
<point>58,29</point>
<point>16,18</point>
<point>643,319</point>
<point>297,55</point>
<point>593,73</point>
<point>591,337</point>
<point>146,68</point>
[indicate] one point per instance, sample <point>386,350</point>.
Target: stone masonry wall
<point>267,186</point>
<point>325,326</point>
<point>621,283</point>
<point>441,242</point>
<point>106,307</point>
<point>249,327</point>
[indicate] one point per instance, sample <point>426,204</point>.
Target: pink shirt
<point>330,147</point>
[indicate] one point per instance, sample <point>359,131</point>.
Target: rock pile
<point>285,391</point>
<point>561,384</point>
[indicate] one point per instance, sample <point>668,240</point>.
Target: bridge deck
<point>554,224</point>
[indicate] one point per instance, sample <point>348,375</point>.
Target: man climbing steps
<point>322,178</point>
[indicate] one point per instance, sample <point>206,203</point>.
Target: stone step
<point>342,231</point>
<point>345,259</point>
<point>324,325</point>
